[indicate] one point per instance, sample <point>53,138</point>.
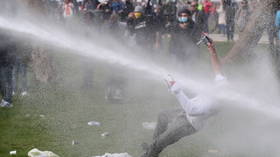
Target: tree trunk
<point>259,21</point>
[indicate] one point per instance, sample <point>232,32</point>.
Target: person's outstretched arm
<point>216,64</point>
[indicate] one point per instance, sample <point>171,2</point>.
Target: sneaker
<point>173,86</point>
<point>24,93</point>
<point>169,80</point>
<point>5,104</point>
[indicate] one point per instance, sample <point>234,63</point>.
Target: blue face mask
<point>183,19</point>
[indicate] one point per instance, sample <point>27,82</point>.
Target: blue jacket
<point>277,22</point>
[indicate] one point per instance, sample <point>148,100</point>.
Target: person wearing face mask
<point>139,25</point>
<point>184,35</point>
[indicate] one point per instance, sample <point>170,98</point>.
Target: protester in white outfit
<point>189,118</point>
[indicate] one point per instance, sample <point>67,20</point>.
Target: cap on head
<point>184,10</point>
<point>138,9</point>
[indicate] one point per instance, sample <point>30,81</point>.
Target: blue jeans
<point>6,82</point>
<point>222,29</point>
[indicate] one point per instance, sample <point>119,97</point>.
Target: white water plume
<point>58,38</point>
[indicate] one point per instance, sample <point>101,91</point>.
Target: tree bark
<point>259,21</point>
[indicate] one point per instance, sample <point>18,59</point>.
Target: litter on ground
<point>115,155</point>
<point>37,153</point>
<point>94,123</point>
<point>149,125</point>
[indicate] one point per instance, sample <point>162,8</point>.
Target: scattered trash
<point>37,153</point>
<point>149,125</point>
<point>105,134</point>
<point>74,142</point>
<point>115,155</point>
<point>42,116</point>
<point>14,152</point>
<point>94,123</point>
<point>212,151</point>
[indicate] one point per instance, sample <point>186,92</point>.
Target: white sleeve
<point>183,99</point>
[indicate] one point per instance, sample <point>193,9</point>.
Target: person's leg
<point>23,77</point>
<point>14,77</point>
<point>7,78</point>
<point>164,118</point>
<point>2,73</point>
<point>232,31</point>
<point>228,32</point>
<point>178,129</point>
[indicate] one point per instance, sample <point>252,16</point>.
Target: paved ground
<point>220,37</point>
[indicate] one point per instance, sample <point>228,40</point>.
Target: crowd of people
<point>144,22</point>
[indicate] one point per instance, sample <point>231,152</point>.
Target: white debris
<point>105,134</point>
<point>94,123</point>
<point>37,153</point>
<point>74,142</point>
<point>213,151</point>
<point>115,155</point>
<point>149,125</point>
<point>14,152</point>
<point>42,116</point>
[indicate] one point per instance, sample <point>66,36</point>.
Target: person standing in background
<point>242,17</point>
<point>230,9</point>
<point>277,24</point>
<point>222,20</point>
<point>207,5</point>
<point>7,62</point>
<point>198,16</point>
<point>68,9</point>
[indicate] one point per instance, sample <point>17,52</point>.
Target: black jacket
<point>183,42</point>
<point>7,48</point>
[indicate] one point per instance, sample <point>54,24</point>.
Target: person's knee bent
<point>163,117</point>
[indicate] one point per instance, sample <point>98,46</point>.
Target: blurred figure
<point>68,9</point>
<point>276,54</point>
<point>184,36</point>
<point>207,5</point>
<point>222,20</point>
<point>230,9</point>
<point>22,59</point>
<point>158,24</point>
<point>198,16</point>
<point>127,8</point>
<point>7,61</point>
<point>90,4</point>
<point>242,17</point>
<point>139,25</point>
<point>106,10</point>
<point>117,6</point>
<point>277,24</point>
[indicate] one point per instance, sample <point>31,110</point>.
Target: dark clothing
<point>6,73</point>
<point>199,19</point>
<point>157,27</point>
<point>230,10</point>
<point>23,57</point>
<point>171,127</point>
<point>183,43</point>
<point>7,49</point>
<point>141,27</point>
<point>7,60</point>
